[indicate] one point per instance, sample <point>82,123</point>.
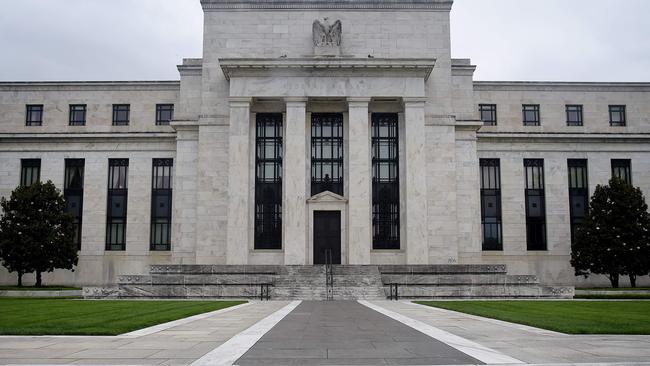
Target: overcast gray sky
<point>571,40</point>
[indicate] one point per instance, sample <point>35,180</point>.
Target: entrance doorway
<point>327,236</point>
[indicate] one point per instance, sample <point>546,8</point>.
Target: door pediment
<point>327,197</point>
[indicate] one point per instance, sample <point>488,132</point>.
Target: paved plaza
<point>329,333</point>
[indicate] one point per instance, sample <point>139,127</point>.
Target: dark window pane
<point>77,115</point>
<point>531,114</point>
<point>491,204</point>
<point>327,153</point>
<point>164,114</point>
<point>488,114</point>
<point>574,115</point>
<point>73,188</point>
<point>622,168</point>
<point>535,204</point>
<point>385,181</point>
<point>268,181</point>
<point>34,115</point>
<point>116,214</point>
<point>617,115</point>
<point>30,171</point>
<point>161,204</point>
<point>121,114</point>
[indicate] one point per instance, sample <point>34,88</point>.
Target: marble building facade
<point>415,139</point>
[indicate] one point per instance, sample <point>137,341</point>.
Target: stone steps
<point>308,282</point>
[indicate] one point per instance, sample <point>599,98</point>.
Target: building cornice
<point>103,136</point>
<point>561,137</point>
<point>559,85</point>
<point>377,5</point>
<point>234,67</point>
<point>90,85</point>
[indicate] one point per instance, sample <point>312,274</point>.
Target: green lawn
<point>84,317</point>
<point>572,317</point>
<point>44,288</point>
<point>613,289</point>
<point>615,297</point>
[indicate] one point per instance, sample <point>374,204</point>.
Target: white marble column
<point>360,183</point>
<point>294,183</point>
<point>415,190</point>
<point>239,182</point>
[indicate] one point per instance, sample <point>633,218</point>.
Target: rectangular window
<point>385,181</point>
<point>118,180</point>
<point>326,153</point>
<point>34,116</point>
<point>488,114</point>
<point>574,115</point>
<point>535,204</point>
<point>578,193</point>
<point>121,114</point>
<point>531,114</point>
<point>491,204</point>
<point>268,181</point>
<point>77,115</point>
<point>161,204</point>
<point>30,171</point>
<point>622,168</point>
<point>617,115</point>
<point>73,191</point>
<point>164,114</point>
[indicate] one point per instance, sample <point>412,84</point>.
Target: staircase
<point>346,282</point>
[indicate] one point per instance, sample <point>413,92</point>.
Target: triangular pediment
<point>327,196</point>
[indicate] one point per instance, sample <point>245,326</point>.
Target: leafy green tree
<point>36,235</point>
<point>614,239</point>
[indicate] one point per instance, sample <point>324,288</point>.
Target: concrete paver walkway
<point>531,345</point>
<point>347,333</point>
<point>180,345</point>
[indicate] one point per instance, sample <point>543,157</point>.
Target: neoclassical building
<point>314,129</point>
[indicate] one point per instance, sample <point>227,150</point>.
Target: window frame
<point>121,108</point>
<point>580,113</point>
<point>334,140</point>
<point>493,114</point>
<point>69,191</point>
<point>163,108</point>
<point>536,188</point>
<point>29,111</point>
<point>386,200</point>
<point>83,109</point>
<point>491,189</point>
<point>120,191</point>
<point>626,166</point>
<point>161,166</point>
<point>536,109</point>
<point>268,184</point>
<point>622,110</point>
<point>31,166</point>
<point>577,171</point>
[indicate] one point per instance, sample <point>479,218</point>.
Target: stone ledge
<point>431,5</point>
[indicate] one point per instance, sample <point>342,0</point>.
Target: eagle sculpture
<point>326,35</point>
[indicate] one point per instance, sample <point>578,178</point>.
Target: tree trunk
<point>633,280</point>
<point>613,278</point>
<point>20,279</point>
<point>39,281</point>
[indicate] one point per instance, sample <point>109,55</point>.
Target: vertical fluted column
<point>360,183</point>
<point>239,182</point>
<point>294,183</point>
<point>415,174</point>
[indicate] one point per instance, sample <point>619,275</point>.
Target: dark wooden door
<point>327,236</point>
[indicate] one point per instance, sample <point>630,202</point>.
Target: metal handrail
<point>329,275</point>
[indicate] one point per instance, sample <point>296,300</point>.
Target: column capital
<point>240,102</point>
<point>358,102</point>
<point>414,101</point>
